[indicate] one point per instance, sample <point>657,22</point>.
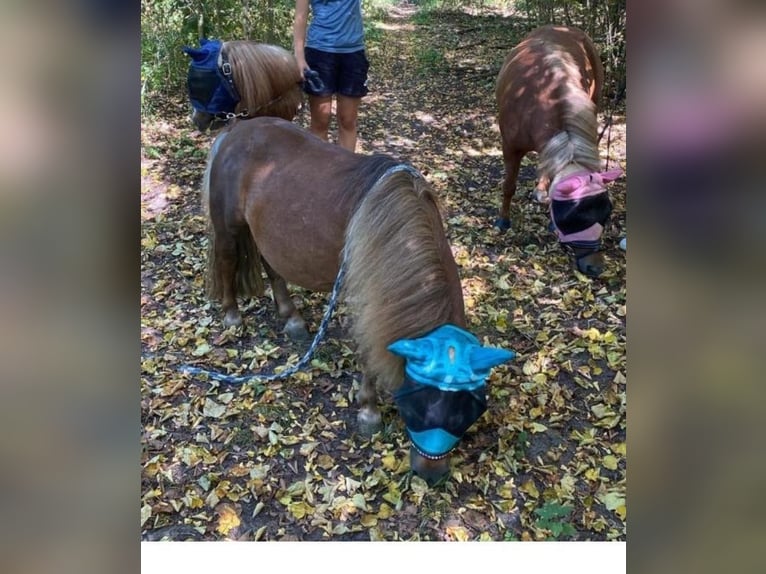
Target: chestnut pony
<point>547,94</point>
<point>241,78</point>
<point>281,200</point>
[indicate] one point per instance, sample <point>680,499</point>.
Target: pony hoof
<point>232,318</point>
<point>502,224</point>
<point>296,330</point>
<point>369,422</point>
<point>542,197</point>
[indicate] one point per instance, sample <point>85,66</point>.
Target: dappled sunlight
<point>284,461</point>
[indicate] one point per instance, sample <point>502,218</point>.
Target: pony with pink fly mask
<point>547,93</point>
<point>580,207</point>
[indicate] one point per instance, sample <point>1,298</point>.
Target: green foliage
<point>552,516</point>
<point>429,58</point>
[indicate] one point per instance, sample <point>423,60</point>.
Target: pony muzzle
<point>434,471</point>
<point>589,260</point>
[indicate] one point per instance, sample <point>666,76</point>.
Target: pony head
<point>242,79</point>
<point>580,207</point>
<point>210,82</point>
<point>443,394</point>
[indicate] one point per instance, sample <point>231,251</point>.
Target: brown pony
<point>283,201</point>
<point>547,94</point>
<point>264,77</point>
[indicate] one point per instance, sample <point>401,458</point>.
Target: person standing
<point>332,46</point>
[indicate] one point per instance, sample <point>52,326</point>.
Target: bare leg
<point>512,164</point>
<point>226,260</point>
<point>369,418</point>
<point>321,109</point>
<point>295,326</point>
<point>348,111</point>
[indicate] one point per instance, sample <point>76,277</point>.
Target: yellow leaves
<point>506,489</point>
<point>385,511</point>
<point>192,500</point>
<point>307,448</point>
<point>299,509</point>
<point>228,519</point>
<point>540,378</point>
<point>325,461</point>
<point>201,350</point>
<point>389,462</point>
<point>259,533</point>
<point>530,489</point>
<point>393,495</point>
<point>458,533</point>
<point>607,418</point>
<point>593,474</point>
<point>192,455</point>
<point>613,499</point>
<point>212,409</point>
<point>146,513</point>
<point>502,282</point>
<point>609,462</point>
<point>536,428</point>
<point>419,488</point>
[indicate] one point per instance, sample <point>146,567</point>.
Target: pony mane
<point>396,284</point>
<point>577,142</point>
<point>266,77</point>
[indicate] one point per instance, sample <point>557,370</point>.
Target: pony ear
<point>570,184</point>
<point>410,349</point>
<point>611,175</point>
<point>194,53</point>
<point>482,359</point>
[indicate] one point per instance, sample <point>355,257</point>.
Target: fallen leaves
<point>283,460</point>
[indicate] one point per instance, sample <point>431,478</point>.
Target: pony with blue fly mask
<point>547,94</point>
<point>241,79</point>
<point>280,200</point>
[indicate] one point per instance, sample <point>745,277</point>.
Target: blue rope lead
<point>244,379</point>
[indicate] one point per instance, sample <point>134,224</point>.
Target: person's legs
<point>320,108</point>
<point>352,86</point>
<point>320,102</point>
<point>347,112</point>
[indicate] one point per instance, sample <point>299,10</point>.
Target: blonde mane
<point>266,77</point>
<point>577,142</point>
<point>396,284</point>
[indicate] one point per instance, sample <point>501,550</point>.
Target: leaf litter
<point>283,461</point>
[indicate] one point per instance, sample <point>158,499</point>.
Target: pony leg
<point>369,418</point>
<point>226,261</point>
<point>295,326</point>
<point>512,165</point>
<point>541,192</point>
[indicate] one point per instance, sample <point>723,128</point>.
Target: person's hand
<point>302,66</point>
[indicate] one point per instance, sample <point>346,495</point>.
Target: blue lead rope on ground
<point>255,378</point>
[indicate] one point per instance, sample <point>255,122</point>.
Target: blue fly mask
<point>444,389</point>
<point>210,81</point>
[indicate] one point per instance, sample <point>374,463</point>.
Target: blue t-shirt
<point>336,26</point>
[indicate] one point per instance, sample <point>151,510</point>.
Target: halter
<point>321,332</point>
